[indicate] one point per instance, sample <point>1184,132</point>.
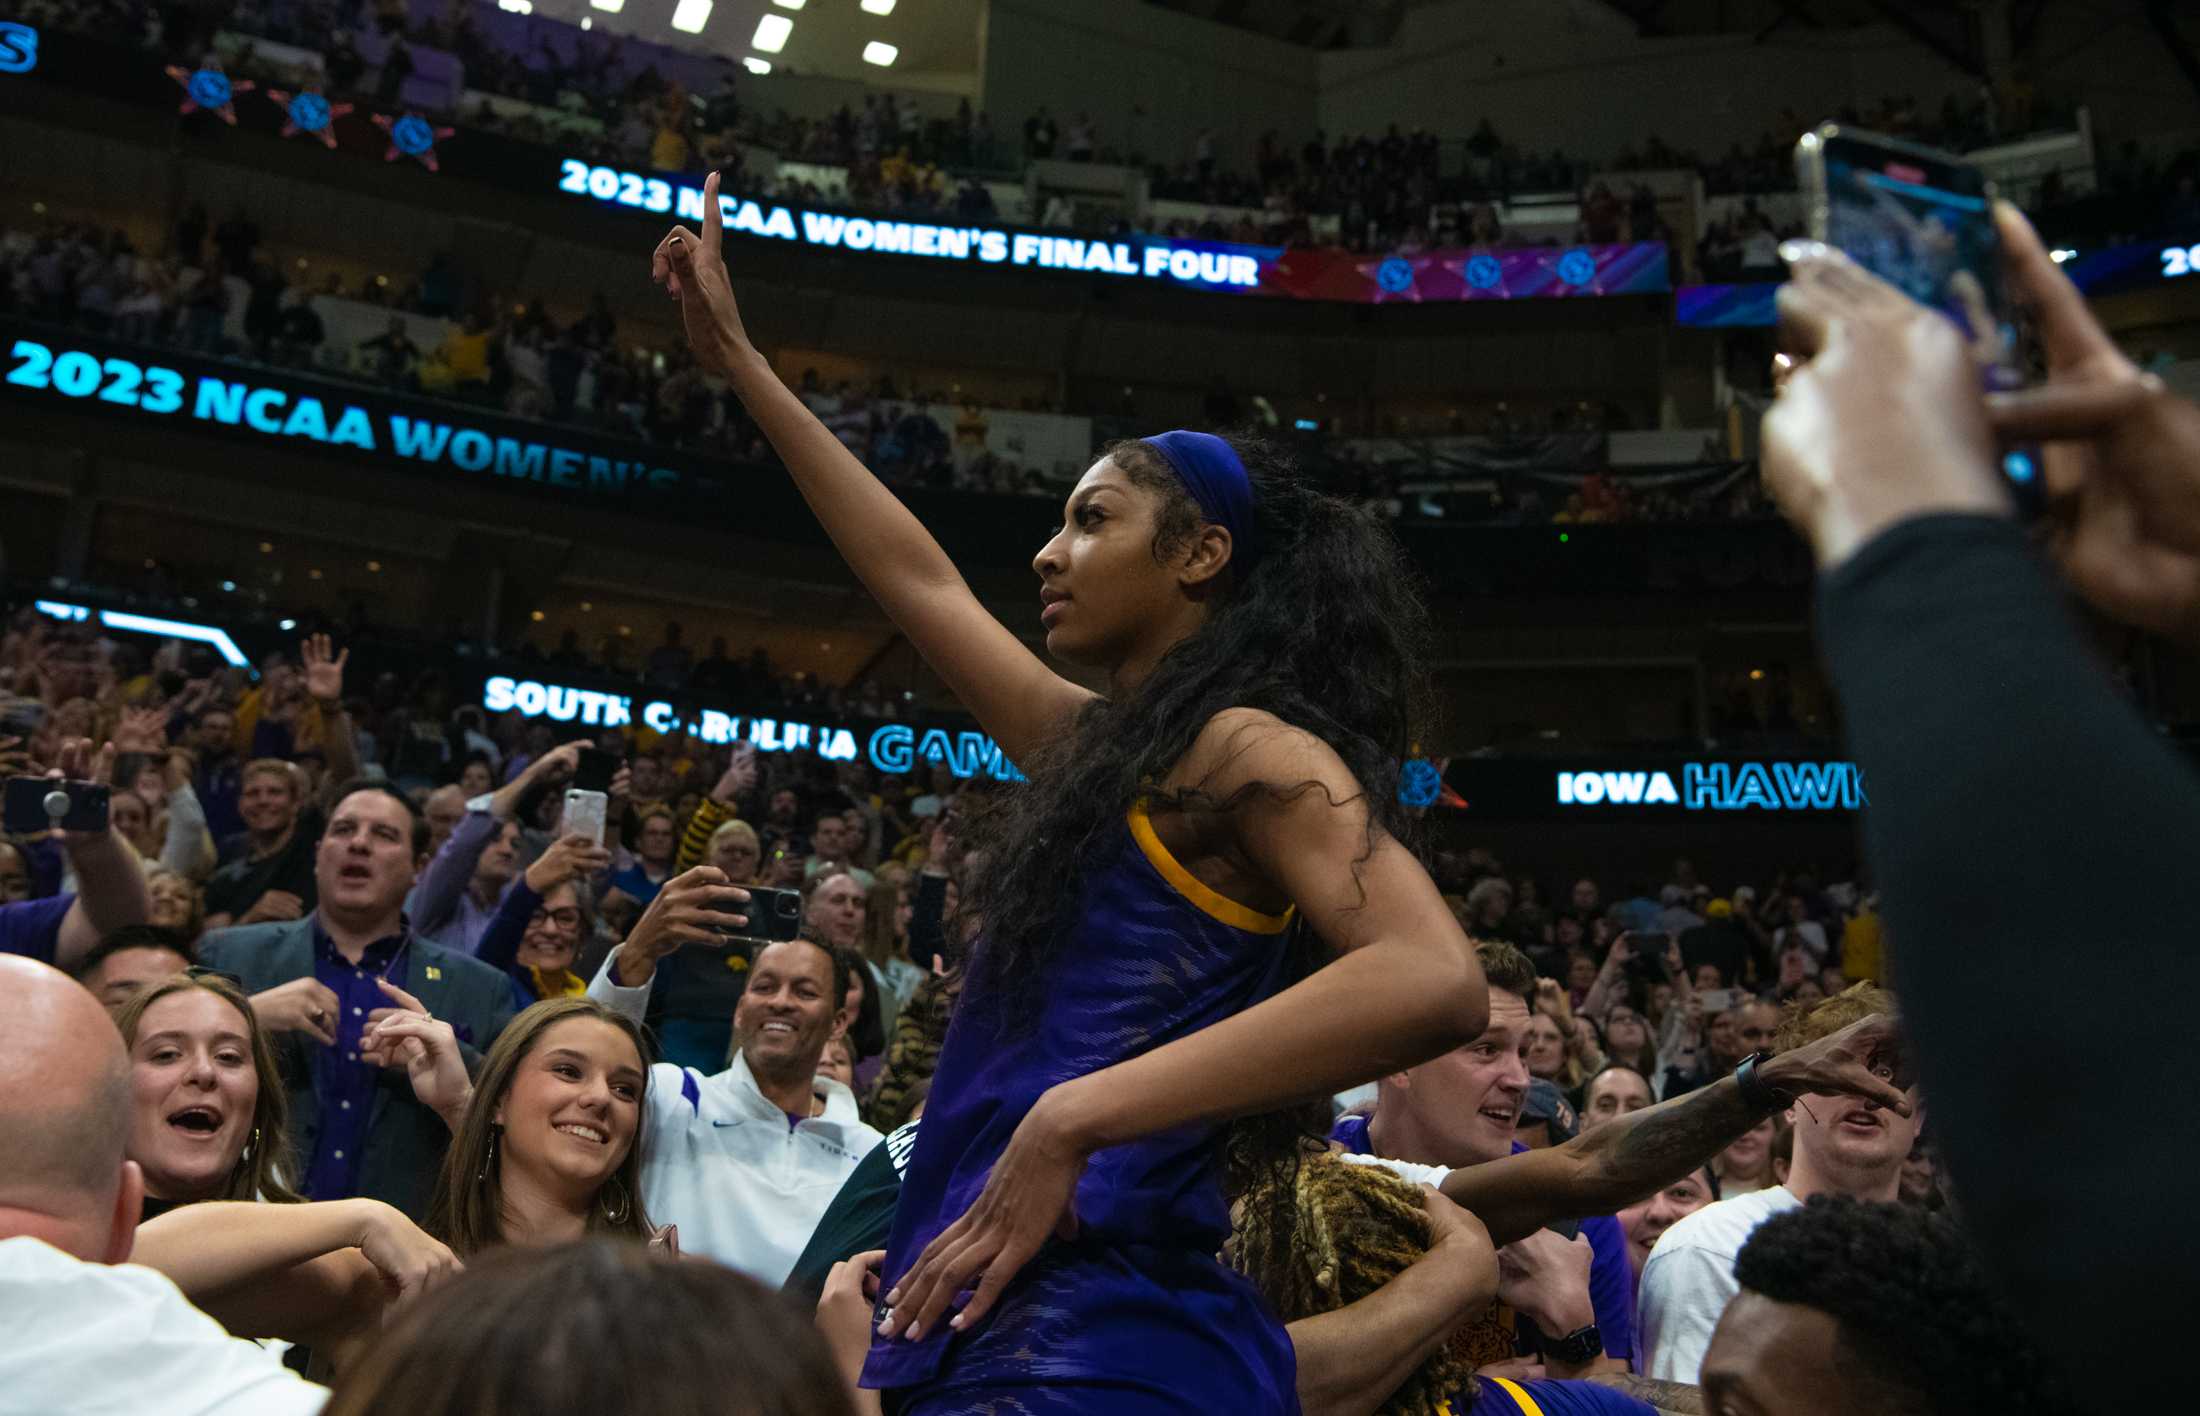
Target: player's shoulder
<point>1240,746</point>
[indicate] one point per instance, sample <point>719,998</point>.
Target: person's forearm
<point>1379,1009</point>
<point>179,849</point>
<point>1351,1359</point>
<point>499,947</point>
<point>710,814</point>
<point>1669,1398</point>
<point>607,987</point>
<point>1607,1167</point>
<point>209,1248</point>
<point>897,560</point>
<point>435,899</point>
<point>342,748</point>
<point>1598,1001</point>
<point>2002,766</point>
<point>110,893</point>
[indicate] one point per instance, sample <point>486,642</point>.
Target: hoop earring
<point>249,1147</point>
<point>619,1215</point>
<point>489,1161</point>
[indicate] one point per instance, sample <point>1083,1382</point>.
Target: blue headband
<point>1211,472</point>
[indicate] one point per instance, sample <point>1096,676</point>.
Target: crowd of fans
<point>385,932</point>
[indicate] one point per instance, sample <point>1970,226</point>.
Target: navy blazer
<point>405,1140</point>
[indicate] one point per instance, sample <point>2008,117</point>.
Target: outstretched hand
<point>1865,1059</point>
<point>693,272</point>
<point>1028,1197</point>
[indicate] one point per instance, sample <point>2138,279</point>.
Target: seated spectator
<point>1845,1304</point>
<point>318,982</point>
<point>654,842</point>
<point>1746,1165</point>
<point>1647,1220</point>
<point>1843,1146</point>
<point>81,1319</point>
<point>272,879</point>
<point>582,1329</point>
<point>479,862</point>
<point>748,1157</point>
<point>209,1118</point>
<point>1614,1092</point>
<point>175,903</point>
<point>537,931</point>
<point>130,958</point>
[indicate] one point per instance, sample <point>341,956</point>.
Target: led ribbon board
<point>1299,273</point>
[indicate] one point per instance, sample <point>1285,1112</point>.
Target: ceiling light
<point>879,52</point>
<point>691,15</point>
<point>771,33</point>
<point>756,66</point>
<point>587,22</point>
<point>790,4</point>
<point>873,7</point>
<point>609,7</point>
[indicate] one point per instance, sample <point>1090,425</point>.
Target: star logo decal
<point>211,89</point>
<point>411,136</point>
<point>310,113</point>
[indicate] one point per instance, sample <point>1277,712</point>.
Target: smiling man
<point>317,982</point>
<point>1844,1145</point>
<point>745,1160</point>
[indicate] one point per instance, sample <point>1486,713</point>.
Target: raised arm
<point>1611,1166</point>
<point>1017,698</point>
<point>1406,988</point>
<point>110,883</point>
<point>324,680</point>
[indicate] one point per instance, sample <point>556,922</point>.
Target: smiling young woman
<point>1153,900</point>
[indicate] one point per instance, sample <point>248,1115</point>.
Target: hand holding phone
<point>35,805</point>
<point>585,812</point>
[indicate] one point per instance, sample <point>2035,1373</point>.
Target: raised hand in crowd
<point>426,1048</point>
<point>739,778</point>
<point>303,1005</point>
<point>142,730</point>
<point>2122,454</point>
<point>323,676</point>
<point>568,858</point>
<point>686,911</point>
<point>1881,420</point>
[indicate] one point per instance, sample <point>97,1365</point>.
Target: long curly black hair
<point>1327,632</point>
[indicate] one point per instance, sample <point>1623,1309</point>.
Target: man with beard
<point>746,1160</point>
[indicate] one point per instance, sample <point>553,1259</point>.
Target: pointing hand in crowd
<point>425,1047</point>
<point>1866,1059</point>
<point>2122,454</point>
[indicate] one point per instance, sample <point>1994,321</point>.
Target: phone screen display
<point>1923,221</point>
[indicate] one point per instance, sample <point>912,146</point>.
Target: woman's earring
<point>617,1216</point>
<point>489,1161</point>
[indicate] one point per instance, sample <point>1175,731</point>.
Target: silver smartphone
<point>584,814</point>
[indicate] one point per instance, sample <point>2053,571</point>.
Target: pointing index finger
<point>713,221</point>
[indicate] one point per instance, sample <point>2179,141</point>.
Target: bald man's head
<point>65,1110</point>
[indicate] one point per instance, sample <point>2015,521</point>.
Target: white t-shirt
<point>745,1183</point>
<point>1689,1277</point>
<point>98,1338</point>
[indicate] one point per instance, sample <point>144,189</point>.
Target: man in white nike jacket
<point>744,1161</point>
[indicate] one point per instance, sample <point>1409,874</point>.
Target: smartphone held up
<point>1922,220</point>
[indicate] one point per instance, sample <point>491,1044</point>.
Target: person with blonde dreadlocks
<point>1374,1277</point>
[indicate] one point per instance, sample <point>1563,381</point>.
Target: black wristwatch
<point>1758,1093</point>
<point>1579,1346</point>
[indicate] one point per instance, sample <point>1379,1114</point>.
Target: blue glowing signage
<point>1722,786</point>
<point>18,48</point>
<point>206,634</point>
<point>891,747</point>
<point>1198,264</point>
<point>2179,261</point>
<point>277,409</point>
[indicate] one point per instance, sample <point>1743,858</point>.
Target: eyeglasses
<point>564,917</point>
